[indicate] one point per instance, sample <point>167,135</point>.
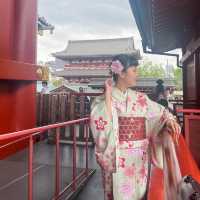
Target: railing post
<point>30,169</point>
<point>74,157</point>
<point>82,114</point>
<point>57,178</point>
<point>72,112</point>
<point>86,144</point>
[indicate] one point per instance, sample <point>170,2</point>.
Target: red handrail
<point>41,129</point>
<point>30,133</point>
<point>190,111</point>
<point>185,160</point>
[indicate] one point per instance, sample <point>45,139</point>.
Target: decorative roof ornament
<point>44,25</point>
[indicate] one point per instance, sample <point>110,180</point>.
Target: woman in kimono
<point>122,123</point>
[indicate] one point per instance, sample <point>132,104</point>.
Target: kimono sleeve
<point>103,133</point>
<point>157,116</point>
<point>100,125</point>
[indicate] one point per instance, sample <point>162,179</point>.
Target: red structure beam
<point>12,70</point>
<point>18,31</point>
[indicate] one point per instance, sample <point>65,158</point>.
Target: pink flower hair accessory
<point>116,67</point>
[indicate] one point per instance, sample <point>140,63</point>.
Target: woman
<point>122,121</point>
<point>159,90</point>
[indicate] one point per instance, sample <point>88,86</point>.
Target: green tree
<point>151,70</point>
<point>57,82</point>
<point>178,77</point>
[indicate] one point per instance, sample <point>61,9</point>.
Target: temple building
<point>87,61</point>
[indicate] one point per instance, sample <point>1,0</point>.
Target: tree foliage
<point>178,77</point>
<point>57,82</point>
<point>148,69</point>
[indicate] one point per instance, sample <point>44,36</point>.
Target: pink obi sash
<point>131,128</point>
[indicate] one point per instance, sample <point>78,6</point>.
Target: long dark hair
<point>127,60</point>
<point>159,88</point>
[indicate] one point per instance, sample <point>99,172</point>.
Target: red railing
<point>178,162</point>
<point>30,134</point>
<point>191,131</point>
<point>188,111</point>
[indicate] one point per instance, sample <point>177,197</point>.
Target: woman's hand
<point>108,86</point>
<point>174,128</point>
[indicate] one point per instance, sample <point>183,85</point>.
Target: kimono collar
<point>119,95</point>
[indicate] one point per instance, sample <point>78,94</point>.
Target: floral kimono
<point>121,144</point>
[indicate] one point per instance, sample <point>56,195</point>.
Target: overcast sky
<point>86,19</point>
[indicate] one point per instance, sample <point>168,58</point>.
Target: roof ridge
<point>103,39</point>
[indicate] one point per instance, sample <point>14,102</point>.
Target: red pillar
<point>18,32</point>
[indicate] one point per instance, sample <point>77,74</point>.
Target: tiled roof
<point>101,47</point>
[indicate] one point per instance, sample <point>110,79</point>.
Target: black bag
<point>189,189</point>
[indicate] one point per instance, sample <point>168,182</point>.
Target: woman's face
<point>129,76</point>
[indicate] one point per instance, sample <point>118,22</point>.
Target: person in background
<point>164,100</point>
<point>159,90</point>
<point>168,96</point>
<point>44,87</point>
<point>162,94</point>
<point>167,93</point>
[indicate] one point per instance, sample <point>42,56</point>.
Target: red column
<point>18,31</point>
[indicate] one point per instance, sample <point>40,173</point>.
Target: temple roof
<point>97,48</point>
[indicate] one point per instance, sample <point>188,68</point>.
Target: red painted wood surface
<point>18,42</point>
<point>7,28</point>
<point>192,136</point>
<point>188,111</point>
<point>12,70</point>
<point>191,131</point>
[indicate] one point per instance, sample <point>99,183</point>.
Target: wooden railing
<point>60,107</point>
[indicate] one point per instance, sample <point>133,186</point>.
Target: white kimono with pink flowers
<point>122,157</point>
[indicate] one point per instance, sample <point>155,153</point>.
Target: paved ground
<point>13,181</point>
